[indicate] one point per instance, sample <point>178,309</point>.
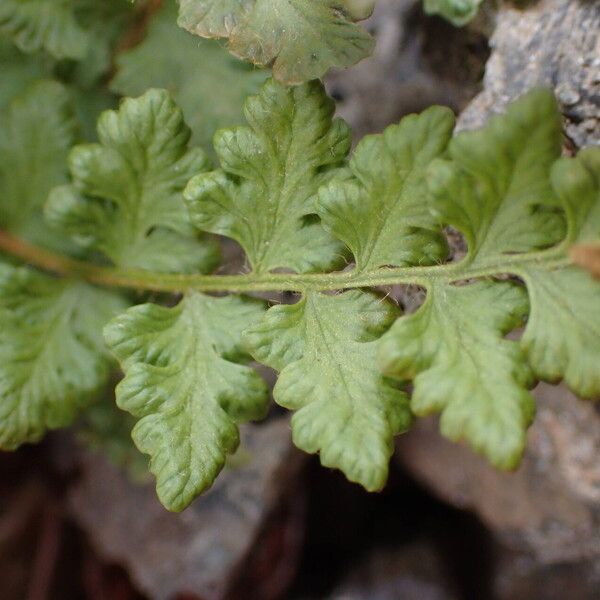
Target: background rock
<point>413,572</point>
<point>418,61</point>
<point>521,577</point>
<point>243,532</point>
<point>553,43</point>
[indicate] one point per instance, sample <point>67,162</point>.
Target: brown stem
<point>136,33</point>
<point>35,256</point>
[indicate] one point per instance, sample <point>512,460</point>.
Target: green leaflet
<point>496,188</point>
<point>19,70</point>
<point>85,31</point>
<point>263,196</point>
<point>184,383</point>
<point>453,349</point>
<point>300,39</point>
<point>126,197</point>
<point>208,84</point>
<point>458,12</point>
<point>325,347</point>
<point>37,130</point>
<point>52,357</point>
<point>102,23</point>
<point>44,24</point>
<point>388,196</point>
<point>562,338</point>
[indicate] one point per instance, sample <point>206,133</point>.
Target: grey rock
<point>412,572</point>
<point>418,61</point>
<point>522,577</point>
<point>553,43</point>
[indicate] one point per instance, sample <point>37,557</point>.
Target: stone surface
<point>521,577</point>
<point>244,531</point>
<point>412,572</point>
<point>553,43</point>
<point>418,61</point>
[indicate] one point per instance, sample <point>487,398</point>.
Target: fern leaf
<point>18,71</point>
<point>264,194</point>
<point>300,39</point>
<point>126,197</point>
<point>38,129</point>
<point>184,383</point>
<point>209,85</point>
<point>52,356</point>
<point>497,190</point>
<point>325,348</point>
<point>382,212</point>
<point>44,24</point>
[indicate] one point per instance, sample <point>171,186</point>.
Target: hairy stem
<point>262,282</point>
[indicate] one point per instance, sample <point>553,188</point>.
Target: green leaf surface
<point>37,131</point>
<point>126,197</point>
<point>208,84</point>
<point>562,338</point>
<point>453,349</point>
<point>52,356</point>
<point>496,187</point>
<point>44,24</point>
<point>185,384</point>
<point>325,347</point>
<point>264,194</point>
<point>458,12</point>
<point>382,212</point>
<point>300,39</point>
<point>577,184</point>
